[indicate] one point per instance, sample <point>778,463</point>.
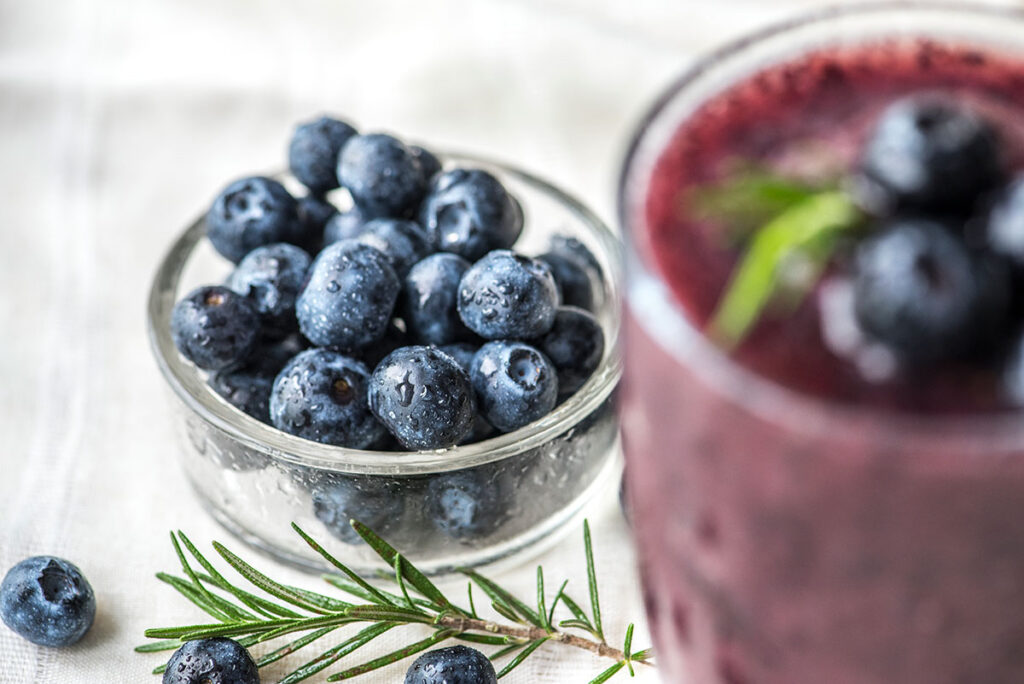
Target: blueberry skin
<point>574,345</point>
<point>344,225</point>
<point>339,499</point>
<point>211,661</point>
<point>313,213</point>
<point>423,397</point>
<point>430,299</point>
<point>215,327</point>
<point>508,296</point>
<point>465,504</point>
<point>463,353</point>
<point>314,149</point>
<point>452,665</point>
<point>922,292</point>
<point>48,601</point>
<point>515,384</point>
<point>431,165</point>
<point>1005,225</point>
<point>250,213</point>
<point>247,386</point>
<point>271,278</point>
<point>384,177</point>
<point>403,242</point>
<point>469,212</point>
<point>320,395</point>
<point>929,154</point>
<point>349,298</point>
<point>574,285</point>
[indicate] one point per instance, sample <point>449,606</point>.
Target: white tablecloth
<point>119,119</point>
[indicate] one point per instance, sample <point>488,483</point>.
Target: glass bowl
<point>532,483</point>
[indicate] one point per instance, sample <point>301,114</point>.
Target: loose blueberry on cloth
<point>48,601</point>
<point>452,665</point>
<point>211,661</point>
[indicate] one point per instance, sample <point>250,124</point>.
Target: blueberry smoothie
<point>821,408</point>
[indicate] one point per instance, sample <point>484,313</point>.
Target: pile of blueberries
<point>939,277</point>
<point>414,327</point>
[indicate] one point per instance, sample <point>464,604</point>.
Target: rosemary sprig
<point>251,618</point>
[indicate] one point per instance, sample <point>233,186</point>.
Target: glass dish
<point>256,480</point>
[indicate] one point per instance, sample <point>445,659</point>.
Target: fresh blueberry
<point>402,242</point>
<point>344,225</point>
<point>469,212</point>
<point>48,601</point>
<point>508,296</point>
<point>463,353</point>
<point>250,213</point>
<point>320,395</point>
<point>466,504</point>
<point>211,661</point>
<point>515,384</point>
<point>431,298</point>
<point>574,284</point>
<point>452,665</point>
<point>384,177</point>
<point>372,501</point>
<point>1005,226</point>
<point>271,277</point>
<point>351,293</point>
<point>572,249</point>
<point>247,386</point>
<point>314,213</point>
<point>431,165</point>
<point>313,152</point>
<point>423,397</point>
<point>929,154</point>
<point>921,291</point>
<point>215,327</point>
<point>574,345</point>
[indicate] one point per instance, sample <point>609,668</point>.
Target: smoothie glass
<point>790,539</point>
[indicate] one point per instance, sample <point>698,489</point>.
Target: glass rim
<point>187,383</point>
<point>684,341</point>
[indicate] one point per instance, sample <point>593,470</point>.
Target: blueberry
<point>211,661</point>
<point>271,277</point>
<point>313,152</point>
<point>247,386</point>
<point>469,212</point>
<point>507,295</point>
<point>402,242</point>
<point>465,504</point>
<point>423,397</point>
<point>574,285</point>
<point>515,384</point>
<point>384,177</point>
<point>1005,225</point>
<point>47,601</point>
<point>214,327</point>
<point>394,337</point>
<point>430,299</point>
<point>452,665</point>
<point>376,503</point>
<point>929,154</point>
<point>431,165</point>
<point>463,353</point>
<point>344,226</point>
<point>574,345</point>
<point>320,395</point>
<point>351,293</point>
<point>314,213</point>
<point>250,213</point>
<point>918,289</point>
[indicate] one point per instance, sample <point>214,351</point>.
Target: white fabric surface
<point>118,122</point>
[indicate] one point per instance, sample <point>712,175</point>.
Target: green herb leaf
<point>595,603</point>
<point>523,655</point>
<point>608,674</point>
<point>400,654</point>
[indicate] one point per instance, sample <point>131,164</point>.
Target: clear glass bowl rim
<point>189,386</point>
<point>998,431</point>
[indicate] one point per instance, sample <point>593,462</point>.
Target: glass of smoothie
<point>823,384</point>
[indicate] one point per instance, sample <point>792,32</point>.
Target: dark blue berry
<point>313,152</point>
<point>271,277</point>
<point>402,242</point>
<point>351,293</point>
<point>344,225</point>
<point>929,154</point>
<point>466,504</point>
<point>250,213</point>
<point>922,292</point>
<point>384,177</point>
<point>47,601</point>
<point>508,296</point>
<point>469,212</point>
<point>423,397</point>
<point>1005,227</point>
<point>320,395</point>
<point>211,661</point>
<point>376,503</point>
<point>463,353</point>
<point>574,345</point>
<point>430,299</point>
<point>313,213</point>
<point>215,327</point>
<point>394,337</point>
<point>515,384</point>
<point>247,386</point>
<point>574,285</point>
<point>452,665</point>
<point>431,165</point>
